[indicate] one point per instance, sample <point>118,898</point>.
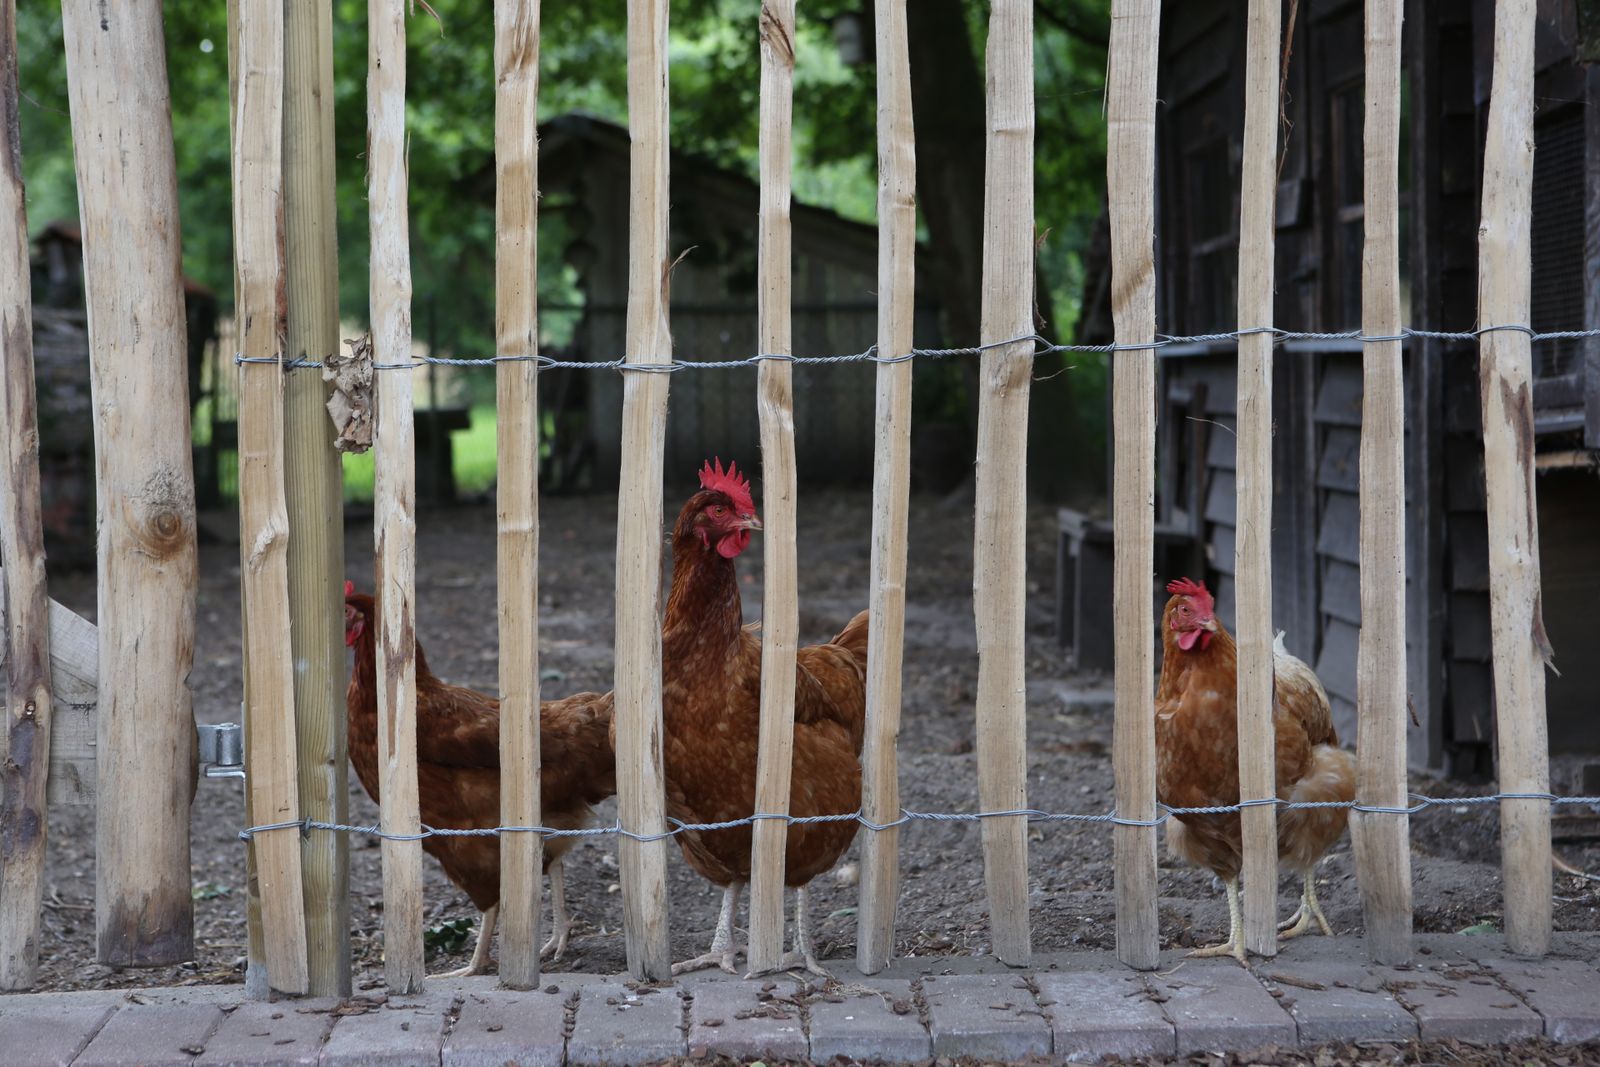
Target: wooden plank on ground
<point>1382,843</point>
<point>891,484</point>
<point>1521,647</point>
<point>263,511</point>
<point>75,690</point>
<point>1000,545</point>
<point>394,495</point>
<point>516,204</point>
<point>30,704</point>
<point>1131,181</point>
<point>640,790</point>
<point>1253,526</point>
<point>147,552</point>
<point>780,609</point>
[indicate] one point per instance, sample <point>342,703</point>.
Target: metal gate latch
<point>222,750</point>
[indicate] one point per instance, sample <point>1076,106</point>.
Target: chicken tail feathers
<point>853,638</point>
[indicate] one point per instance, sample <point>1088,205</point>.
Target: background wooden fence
<point>147,553</point>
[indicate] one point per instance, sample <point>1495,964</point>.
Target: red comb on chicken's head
<point>355,616</point>
<point>728,512</point>
<point>1191,614</point>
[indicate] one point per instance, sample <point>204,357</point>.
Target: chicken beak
<point>750,523</point>
<point>1210,625</point>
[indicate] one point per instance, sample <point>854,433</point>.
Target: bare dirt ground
<point>943,908</point>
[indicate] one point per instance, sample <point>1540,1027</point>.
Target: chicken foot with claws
<point>1308,912</point>
<point>480,951</point>
<point>724,952</point>
<point>1234,946</point>
<point>804,954</point>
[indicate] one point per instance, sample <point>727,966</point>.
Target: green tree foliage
<point>714,84</point>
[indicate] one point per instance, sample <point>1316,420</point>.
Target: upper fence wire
<point>871,354</point>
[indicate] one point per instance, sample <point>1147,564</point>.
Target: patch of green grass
<point>474,451</point>
<point>473,458</point>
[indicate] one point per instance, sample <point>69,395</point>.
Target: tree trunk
<point>947,102</point>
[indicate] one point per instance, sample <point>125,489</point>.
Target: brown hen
<point>711,717</point>
<point>458,773</point>
<point>1197,757</point>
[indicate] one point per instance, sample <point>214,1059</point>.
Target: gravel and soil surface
<point>943,908</point>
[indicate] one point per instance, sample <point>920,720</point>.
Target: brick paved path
<point>1072,1007</point>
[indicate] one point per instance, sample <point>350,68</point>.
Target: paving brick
<point>1565,993</point>
<point>404,1032</point>
<point>1334,1000</point>
<point>745,1020</point>
<point>48,1036</point>
<point>1465,1002</point>
<point>987,1016</point>
<point>497,1028</point>
<point>625,1026</point>
<point>1216,1005</point>
<point>259,1034</point>
<point>152,1035</point>
<point>863,1025</point>
<point>1100,1013</point>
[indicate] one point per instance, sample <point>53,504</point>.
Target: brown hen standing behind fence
<point>1197,757</point>
<point>711,717</point>
<point>458,773</point>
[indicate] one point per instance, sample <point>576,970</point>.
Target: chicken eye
<point>718,510</point>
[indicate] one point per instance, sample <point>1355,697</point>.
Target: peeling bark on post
<point>516,117</point>
<point>1382,842</point>
<point>1131,181</point>
<point>1521,648</point>
<point>891,486</point>
<point>641,801</point>
<point>394,520</point>
<point>1253,547</point>
<point>148,572</point>
<point>25,740</point>
<point>1000,541</point>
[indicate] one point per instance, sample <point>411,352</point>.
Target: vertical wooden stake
<point>1131,185</point>
<point>1000,549</point>
<point>1253,548</point>
<point>263,513</point>
<point>1521,648</point>
<point>780,610</point>
<point>1382,843</point>
<point>148,562</point>
<point>891,485</point>
<point>315,486</point>
<point>394,495</point>
<point>256,985</point>
<point>25,742</point>
<point>516,155</point>
<point>641,802</point>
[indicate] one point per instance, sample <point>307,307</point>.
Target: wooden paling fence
<point>148,560</point>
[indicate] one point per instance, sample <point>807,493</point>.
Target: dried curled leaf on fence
<point>351,402</point>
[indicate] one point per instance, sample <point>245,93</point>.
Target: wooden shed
<point>1317,385</point>
<point>584,176</point>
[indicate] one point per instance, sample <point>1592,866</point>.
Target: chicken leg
<point>560,918</point>
<point>480,951</point>
<point>804,954</point>
<point>723,949</point>
<point>1234,946</point>
<point>1309,911</point>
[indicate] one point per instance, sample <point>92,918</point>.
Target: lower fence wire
<point>1420,803</point>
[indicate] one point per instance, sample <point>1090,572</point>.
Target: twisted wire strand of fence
<point>1044,347</point>
<point>1420,803</point>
